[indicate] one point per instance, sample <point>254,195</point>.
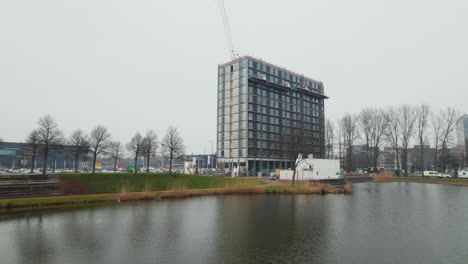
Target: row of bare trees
<point>48,136</point>
<point>397,127</point>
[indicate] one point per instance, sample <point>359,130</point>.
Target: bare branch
<point>150,145</point>
<point>99,142</point>
<point>80,146</point>
<point>135,146</point>
<point>49,135</point>
<point>172,145</point>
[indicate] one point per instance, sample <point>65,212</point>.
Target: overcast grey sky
<point>141,64</point>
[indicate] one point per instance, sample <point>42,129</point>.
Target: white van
<point>432,174</point>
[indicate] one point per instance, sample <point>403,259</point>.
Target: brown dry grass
<point>222,191</point>
<point>311,188</point>
<point>348,189</point>
<point>384,177</point>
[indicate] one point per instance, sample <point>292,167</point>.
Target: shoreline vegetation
<point>116,188</point>
<point>388,177</point>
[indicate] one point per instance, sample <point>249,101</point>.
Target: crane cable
<point>227,29</point>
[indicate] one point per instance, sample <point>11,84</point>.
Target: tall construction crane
<point>227,30</point>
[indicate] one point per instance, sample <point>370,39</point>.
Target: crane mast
<point>227,29</point>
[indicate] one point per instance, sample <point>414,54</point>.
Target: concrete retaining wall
<point>29,185</point>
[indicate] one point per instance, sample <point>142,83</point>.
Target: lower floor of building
<point>252,166</point>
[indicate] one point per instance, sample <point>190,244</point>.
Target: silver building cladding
<point>259,106</point>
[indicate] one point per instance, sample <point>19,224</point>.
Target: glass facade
<point>262,108</point>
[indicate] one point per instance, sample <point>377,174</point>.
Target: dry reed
<point>384,177</point>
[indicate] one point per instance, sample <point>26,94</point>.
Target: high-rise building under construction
<point>266,115</point>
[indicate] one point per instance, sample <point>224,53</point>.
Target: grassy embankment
<point>126,187</point>
<point>388,177</point>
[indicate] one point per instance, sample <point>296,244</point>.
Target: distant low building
<point>388,159</point>
<point>414,158</point>
<point>16,155</point>
<point>205,161</point>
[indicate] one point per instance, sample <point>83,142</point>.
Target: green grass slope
<point>126,182</point>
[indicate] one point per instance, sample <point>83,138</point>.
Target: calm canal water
<point>379,223</point>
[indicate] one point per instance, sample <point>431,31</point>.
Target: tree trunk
<point>115,164</point>
<point>94,162</point>
<point>398,162</point>
<point>76,161</point>
<point>422,159</point>
<point>294,175</point>
<point>349,159</point>
<point>170,163</point>
<point>367,154</point>
<point>136,161</point>
<point>435,155</point>
<point>376,156</point>
<point>33,161</point>
<point>46,155</point>
<point>444,157</point>
<point>147,163</point>
<point>53,164</point>
<point>404,160</point>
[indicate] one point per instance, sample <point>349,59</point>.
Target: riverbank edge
<point>457,182</point>
<point>159,195</point>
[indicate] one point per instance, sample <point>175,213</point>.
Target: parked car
<point>274,177</point>
<point>432,174</point>
<point>444,175</point>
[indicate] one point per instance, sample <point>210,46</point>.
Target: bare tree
<point>150,145</point>
<point>329,137</point>
<point>116,152</point>
<point>407,120</point>
<point>437,123</point>
<point>349,126</point>
<point>33,142</point>
<point>365,125</point>
<point>422,121</point>
<point>172,145</point>
<point>135,146</point>
<point>378,126</point>
<point>451,117</point>
<point>294,145</point>
<point>79,144</point>
<point>393,133</point>
<point>99,141</point>
<point>340,138</point>
<point>49,135</point>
